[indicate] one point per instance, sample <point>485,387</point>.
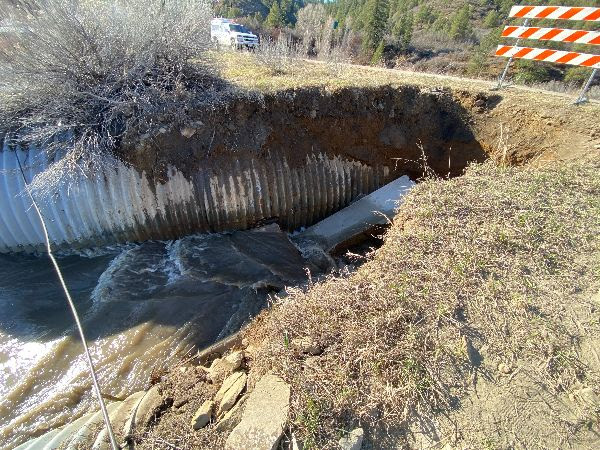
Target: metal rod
<point>111,435</point>
<point>582,98</point>
<point>510,60</point>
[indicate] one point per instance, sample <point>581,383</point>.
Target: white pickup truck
<point>227,32</point>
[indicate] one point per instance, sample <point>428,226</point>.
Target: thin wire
<point>109,429</point>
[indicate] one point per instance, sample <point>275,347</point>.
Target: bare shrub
<point>79,74</point>
<point>278,54</point>
<point>311,20</point>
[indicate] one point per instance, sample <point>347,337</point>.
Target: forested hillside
<point>432,35</point>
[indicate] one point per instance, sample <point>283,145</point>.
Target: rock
<point>308,346</point>
<point>180,403</point>
<point>222,367</point>
<point>585,396</point>
<point>203,415</point>
<point>235,359</point>
<point>353,441</point>
<point>312,362</point>
<point>230,390</point>
<point>187,132</point>
<point>232,417</point>
<point>148,408</point>
<point>264,418</point>
<point>504,368</point>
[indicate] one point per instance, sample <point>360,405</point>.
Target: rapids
<point>144,307</point>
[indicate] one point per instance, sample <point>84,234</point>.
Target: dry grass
<point>251,72</point>
<point>492,262</point>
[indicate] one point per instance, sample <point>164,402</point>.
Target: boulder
<point>230,390</point>
<point>353,441</point>
<point>232,417</point>
<point>222,367</point>
<point>203,415</point>
<point>264,418</point>
<point>149,407</point>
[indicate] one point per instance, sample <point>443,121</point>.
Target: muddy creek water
<point>143,308</point>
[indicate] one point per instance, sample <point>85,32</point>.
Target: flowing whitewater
<point>144,307</point>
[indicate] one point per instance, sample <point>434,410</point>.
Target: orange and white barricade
<point>586,13</point>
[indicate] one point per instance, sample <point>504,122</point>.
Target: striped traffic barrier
<point>555,56</point>
<point>583,13</point>
<point>556,12</point>
<point>553,34</point>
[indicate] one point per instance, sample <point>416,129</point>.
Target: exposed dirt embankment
<point>375,126</point>
<point>394,126</point>
<point>486,284</point>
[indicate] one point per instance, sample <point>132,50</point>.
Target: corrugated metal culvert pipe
<point>121,203</point>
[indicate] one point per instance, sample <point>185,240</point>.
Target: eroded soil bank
<point>295,156</point>
<point>485,285</point>
<point>375,126</point>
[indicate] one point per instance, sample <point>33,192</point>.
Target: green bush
<point>531,72</point>
<point>577,75</point>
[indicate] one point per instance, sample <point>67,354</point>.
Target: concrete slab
<point>377,208</point>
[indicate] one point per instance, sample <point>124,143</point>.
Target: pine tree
<point>403,30</point>
<point>492,19</point>
<point>460,28</point>
<point>275,18</point>
<point>375,20</point>
<point>287,11</point>
<point>378,55</point>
